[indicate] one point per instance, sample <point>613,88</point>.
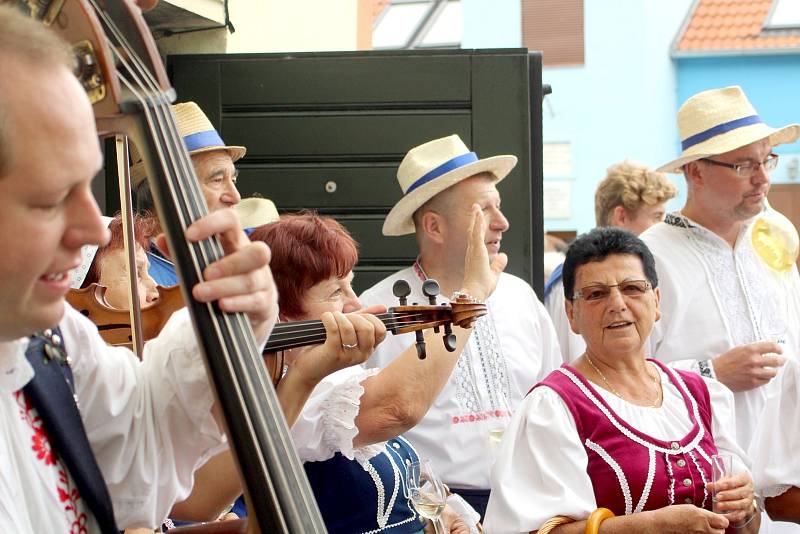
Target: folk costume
<point>509,350</point>
<point>714,299</point>
<point>573,447</point>
<point>148,423</point>
<point>358,489</point>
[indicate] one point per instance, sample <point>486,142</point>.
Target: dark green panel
<point>199,81</point>
<point>353,136</point>
<point>400,249</point>
<point>500,126</point>
<point>346,119</point>
<point>292,187</point>
<point>271,80</point>
<point>366,277</point>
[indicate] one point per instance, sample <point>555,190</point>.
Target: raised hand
<point>749,366</point>
<point>480,275</point>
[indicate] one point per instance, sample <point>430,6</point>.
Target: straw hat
<point>256,211</point>
<point>431,168</point>
<point>198,135</point>
<point>720,120</point>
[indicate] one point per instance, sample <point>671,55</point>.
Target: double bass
<point>118,64</point>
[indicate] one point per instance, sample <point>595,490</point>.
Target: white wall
<point>273,26</point>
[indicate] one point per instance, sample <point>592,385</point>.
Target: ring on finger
<point>347,346</point>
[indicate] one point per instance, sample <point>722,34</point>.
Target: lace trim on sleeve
<point>776,490</point>
<point>340,410</point>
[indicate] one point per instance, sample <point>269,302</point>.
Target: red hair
<point>306,250</point>
<point>143,229</point>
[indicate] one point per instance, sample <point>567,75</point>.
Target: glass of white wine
<point>427,492</point>
<point>497,421</point>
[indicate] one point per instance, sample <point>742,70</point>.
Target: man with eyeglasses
<point>724,310</point>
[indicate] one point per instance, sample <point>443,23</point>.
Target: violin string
<point>283,335</point>
<point>383,317</point>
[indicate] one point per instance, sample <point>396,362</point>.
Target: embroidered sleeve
<point>327,423</point>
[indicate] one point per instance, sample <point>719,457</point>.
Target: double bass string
<point>209,250</point>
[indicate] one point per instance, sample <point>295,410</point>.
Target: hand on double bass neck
<point>241,281</point>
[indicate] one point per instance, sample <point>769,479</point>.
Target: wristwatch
<point>461,295</point>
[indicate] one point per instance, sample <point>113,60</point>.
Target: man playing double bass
<point>124,450</point>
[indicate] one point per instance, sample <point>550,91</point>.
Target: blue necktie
<point>50,392</point>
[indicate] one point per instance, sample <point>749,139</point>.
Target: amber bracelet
<point>597,517</point>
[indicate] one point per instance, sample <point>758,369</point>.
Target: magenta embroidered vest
<point>630,471</point>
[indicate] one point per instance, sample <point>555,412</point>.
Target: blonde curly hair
<point>630,185</point>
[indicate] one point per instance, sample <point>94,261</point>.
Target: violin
<point>398,320</point>
<point>118,64</point>
<point>114,324</point>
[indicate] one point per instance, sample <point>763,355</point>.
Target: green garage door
<point>327,132</point>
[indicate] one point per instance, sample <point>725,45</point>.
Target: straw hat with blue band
<point>198,135</point>
<point>721,120</point>
<point>431,168</point>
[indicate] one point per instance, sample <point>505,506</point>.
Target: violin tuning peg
<point>430,288</point>
<point>449,338</point>
<point>401,290</point>
<point>421,354</point>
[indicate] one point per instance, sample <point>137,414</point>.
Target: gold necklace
<point>617,393</point>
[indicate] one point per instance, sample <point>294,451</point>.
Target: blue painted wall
<point>771,83</point>
<point>491,24</point>
<point>619,104</point>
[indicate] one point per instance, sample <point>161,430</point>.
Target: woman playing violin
<point>110,265</point>
<point>349,429</point>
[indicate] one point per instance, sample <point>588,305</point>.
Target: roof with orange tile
<point>732,26</point>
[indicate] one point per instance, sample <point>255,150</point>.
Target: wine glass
<point>721,468</point>
<point>427,492</point>
<point>497,422</point>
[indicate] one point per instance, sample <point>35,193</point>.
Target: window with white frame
<point>407,24</point>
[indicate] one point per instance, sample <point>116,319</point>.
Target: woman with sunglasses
<point>615,436</point>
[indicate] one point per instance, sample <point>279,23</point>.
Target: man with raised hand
<point>511,349</point>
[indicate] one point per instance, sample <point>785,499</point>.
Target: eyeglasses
<point>628,288</point>
<point>747,170</point>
